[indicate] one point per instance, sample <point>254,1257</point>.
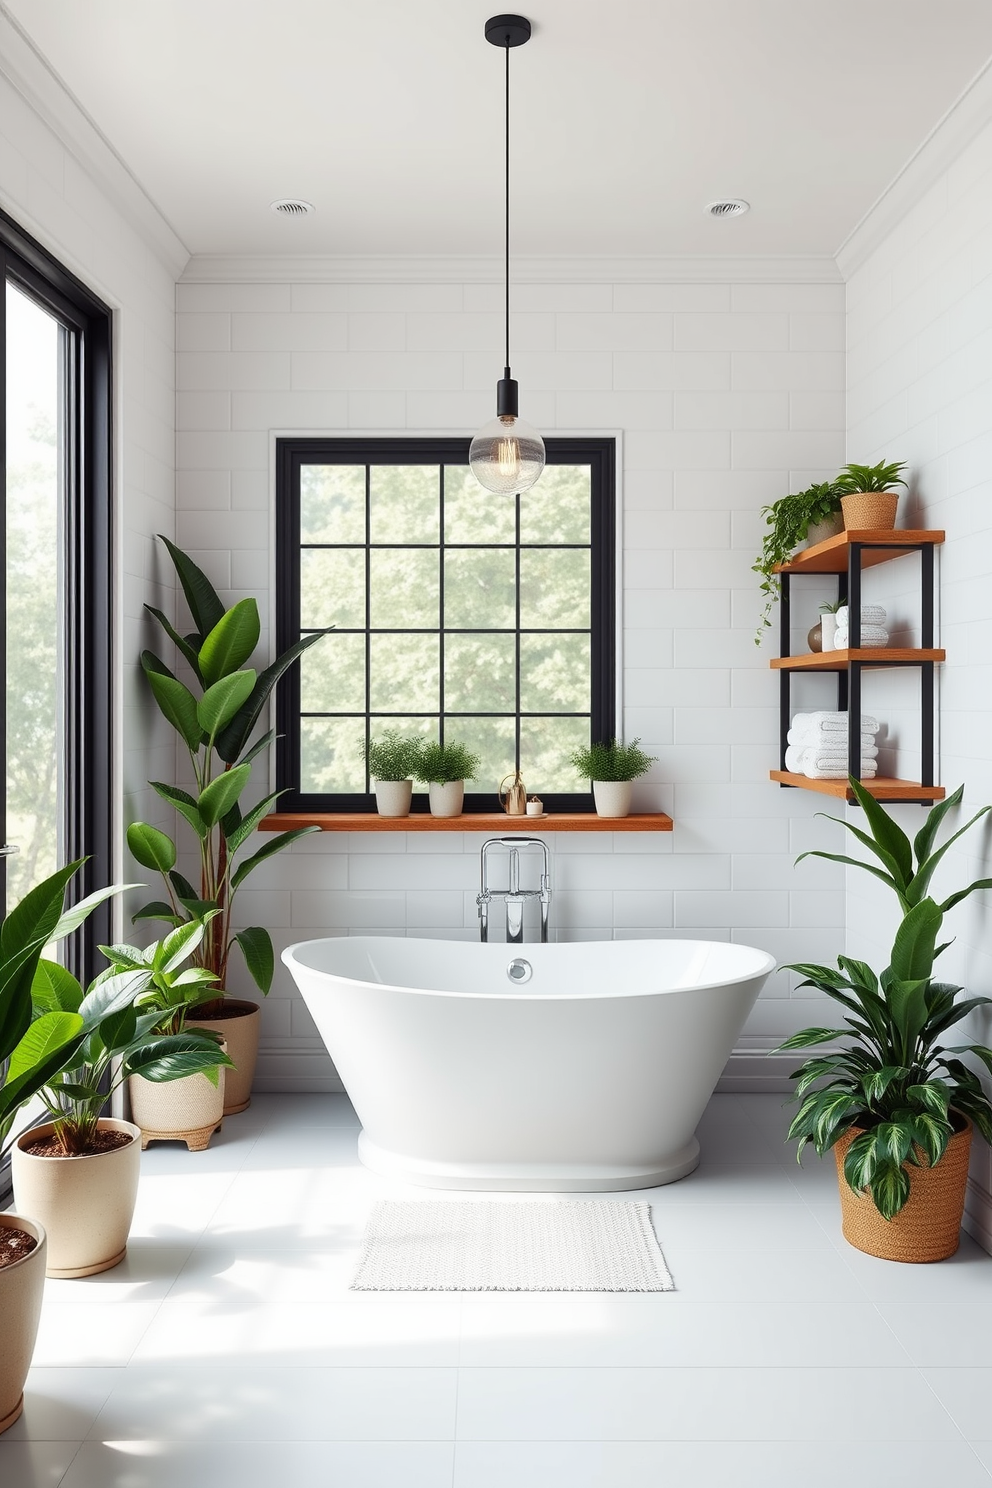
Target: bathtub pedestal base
<point>526,1177</point>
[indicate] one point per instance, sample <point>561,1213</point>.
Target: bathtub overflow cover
<point>520,970</point>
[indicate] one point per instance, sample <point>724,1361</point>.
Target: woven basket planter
<point>188,1110</point>
<point>870,509</point>
<point>928,1227</point>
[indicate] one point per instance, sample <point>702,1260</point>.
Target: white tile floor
<point>228,1350</point>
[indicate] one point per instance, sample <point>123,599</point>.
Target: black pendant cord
<point>507,243</point>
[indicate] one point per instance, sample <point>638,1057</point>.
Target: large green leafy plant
<point>215,719</point>
<point>122,1029</point>
<point>35,1047</point>
<point>894,1079</point>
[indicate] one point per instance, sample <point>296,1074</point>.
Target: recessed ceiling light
<point>731,206</point>
<point>292,206</point>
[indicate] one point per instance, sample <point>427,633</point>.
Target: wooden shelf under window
<point>496,823</point>
<point>882,787</point>
<point>838,661</point>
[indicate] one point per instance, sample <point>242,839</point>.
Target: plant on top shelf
<point>895,1101</point>
<point>215,719</point>
<point>856,479</point>
<point>444,769</point>
<point>393,761</point>
<point>611,765</point>
<point>788,521</point>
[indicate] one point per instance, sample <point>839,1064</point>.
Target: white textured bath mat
<point>518,1246</point>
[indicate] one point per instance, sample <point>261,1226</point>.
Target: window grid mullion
<point>440,580</point>
<point>368,621</point>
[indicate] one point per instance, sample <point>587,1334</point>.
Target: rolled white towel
<point>812,773</point>
<point>831,722</point>
<point>795,757</point>
<point>871,635</point>
<point>871,614</point>
<point>812,738</point>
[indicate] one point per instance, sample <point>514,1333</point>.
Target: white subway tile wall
<point>920,390</point>
<point>724,395</point>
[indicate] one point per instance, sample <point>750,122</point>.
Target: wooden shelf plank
<point>837,661</point>
<point>830,557</point>
<point>882,787</point>
<point>496,823</point>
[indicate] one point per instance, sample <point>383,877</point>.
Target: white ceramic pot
<point>828,629</point>
<point>85,1203</point>
<point>240,1027</point>
<point>612,797</point>
<point>393,797</point>
<point>447,799</point>
<point>187,1110</point>
<point>818,532</point>
<point>22,1286</point>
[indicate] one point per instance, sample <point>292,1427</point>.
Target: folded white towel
<point>824,719</point>
<point>822,759</point>
<point>829,738</point>
<point>871,614</point>
<point>811,773</point>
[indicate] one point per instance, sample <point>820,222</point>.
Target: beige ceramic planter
<point>240,1034</point>
<point>393,797</point>
<point>447,799</point>
<point>187,1110</point>
<point>612,797</point>
<point>22,1287</point>
<point>84,1203</point>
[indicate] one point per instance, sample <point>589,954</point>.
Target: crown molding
<point>209,268</point>
<point>32,76</point>
<point>952,134</point>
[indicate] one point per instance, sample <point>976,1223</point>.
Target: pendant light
<point>507,454</point>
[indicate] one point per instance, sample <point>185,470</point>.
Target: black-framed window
<point>77,626</point>
<point>448,612</point>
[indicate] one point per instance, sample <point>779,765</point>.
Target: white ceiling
<point>629,116</point>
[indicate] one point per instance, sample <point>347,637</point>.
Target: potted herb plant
<point>215,719</point>
<point>444,769</point>
<point>392,761</point>
<point>810,516</point>
<point>896,1103</point>
<point>78,1172</point>
<point>611,766</point>
<point>867,497</point>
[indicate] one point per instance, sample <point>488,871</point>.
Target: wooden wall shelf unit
<point>496,823</point>
<point>847,555</point>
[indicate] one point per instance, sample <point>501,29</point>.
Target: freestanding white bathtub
<point>587,1067</point>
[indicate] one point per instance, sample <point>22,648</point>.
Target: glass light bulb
<point>507,456</point>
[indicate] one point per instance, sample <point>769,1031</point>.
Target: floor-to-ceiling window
<point>56,577</point>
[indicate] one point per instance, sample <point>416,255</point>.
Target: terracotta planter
<point>928,1227</point>
<point>84,1203</point>
<point>447,799</point>
<point>240,1029</point>
<point>393,797</point>
<point>187,1110</point>
<point>22,1287</point>
<point>612,797</point>
<point>870,509</point>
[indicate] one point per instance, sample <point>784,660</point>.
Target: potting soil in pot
<point>15,1245</point>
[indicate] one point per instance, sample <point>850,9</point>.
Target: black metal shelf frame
<point>849,672</point>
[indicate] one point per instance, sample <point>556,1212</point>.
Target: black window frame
<point>88,534</point>
<point>598,452</point>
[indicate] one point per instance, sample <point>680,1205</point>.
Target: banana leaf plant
<point>893,1078</point>
<point>215,720</point>
<point>122,1031</point>
<point>36,1044</point>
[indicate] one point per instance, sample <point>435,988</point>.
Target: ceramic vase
<point>446,800</point>
<point>612,797</point>
<point>393,797</point>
